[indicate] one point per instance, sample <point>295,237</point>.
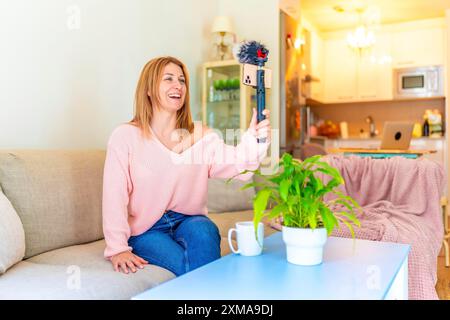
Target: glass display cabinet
<point>226,102</point>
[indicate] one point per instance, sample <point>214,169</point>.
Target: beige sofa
<point>51,228</point>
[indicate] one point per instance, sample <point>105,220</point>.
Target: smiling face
<point>163,85</point>
<point>172,88</point>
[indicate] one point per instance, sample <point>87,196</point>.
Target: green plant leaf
<point>349,226</point>
<point>307,191</point>
<point>296,184</point>
<point>276,180</point>
<point>310,160</point>
<point>284,188</point>
<point>292,200</point>
<point>344,203</point>
<point>343,196</point>
<point>337,178</point>
<point>259,206</point>
<point>333,183</point>
<point>328,218</point>
<point>288,171</point>
<point>350,216</point>
<point>296,191</point>
<point>312,220</point>
<point>277,210</point>
<point>316,183</point>
<point>256,172</point>
<point>286,159</point>
<point>252,185</point>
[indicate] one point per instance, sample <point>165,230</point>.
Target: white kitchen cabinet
<point>351,77</point>
<point>421,47</point>
<point>374,78</point>
<point>367,79</point>
<point>340,72</point>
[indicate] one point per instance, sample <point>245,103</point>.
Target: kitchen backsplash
<point>356,113</point>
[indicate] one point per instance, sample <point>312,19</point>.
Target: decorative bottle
<point>426,127</point>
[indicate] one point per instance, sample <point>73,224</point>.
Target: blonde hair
<point>147,96</point>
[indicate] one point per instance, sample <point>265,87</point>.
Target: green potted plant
<point>296,194</point>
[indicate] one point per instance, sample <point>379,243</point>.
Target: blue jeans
<point>178,242</point>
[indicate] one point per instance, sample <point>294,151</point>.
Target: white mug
<point>245,237</point>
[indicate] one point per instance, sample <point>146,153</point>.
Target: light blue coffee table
<point>351,269</point>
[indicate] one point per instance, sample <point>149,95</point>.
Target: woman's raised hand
<point>262,129</point>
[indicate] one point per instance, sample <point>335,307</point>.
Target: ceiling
<point>291,7</point>
<point>320,13</point>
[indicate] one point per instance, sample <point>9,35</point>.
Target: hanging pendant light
<point>361,38</point>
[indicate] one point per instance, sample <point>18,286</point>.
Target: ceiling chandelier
<point>361,38</point>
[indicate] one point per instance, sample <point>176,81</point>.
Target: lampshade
<point>222,24</point>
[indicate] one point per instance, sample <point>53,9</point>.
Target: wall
<point>317,64</point>
<point>69,68</point>
<point>291,72</point>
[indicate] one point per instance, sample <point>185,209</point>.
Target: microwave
<point>418,82</point>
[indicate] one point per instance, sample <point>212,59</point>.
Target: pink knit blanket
<point>400,199</point>
<point>401,203</point>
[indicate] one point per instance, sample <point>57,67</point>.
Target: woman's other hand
<point>127,260</point>
<point>276,223</point>
<point>262,129</point>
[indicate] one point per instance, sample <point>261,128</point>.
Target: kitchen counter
<point>422,143</point>
<point>377,138</point>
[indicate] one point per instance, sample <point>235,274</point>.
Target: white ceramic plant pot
<point>304,246</point>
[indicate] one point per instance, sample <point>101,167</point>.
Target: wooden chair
<point>310,149</point>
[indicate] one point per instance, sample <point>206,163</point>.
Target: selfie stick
<point>252,52</point>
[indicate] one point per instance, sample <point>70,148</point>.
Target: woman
<point>154,194</point>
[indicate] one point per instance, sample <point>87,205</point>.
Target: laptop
<point>396,135</point>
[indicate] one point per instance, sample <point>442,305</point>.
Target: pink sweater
<point>143,179</point>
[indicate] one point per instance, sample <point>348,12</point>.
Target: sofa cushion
<point>27,280</point>
<point>87,255</point>
<point>223,197</point>
<point>53,275</point>
<point>12,235</point>
<point>57,195</point>
<point>227,220</point>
